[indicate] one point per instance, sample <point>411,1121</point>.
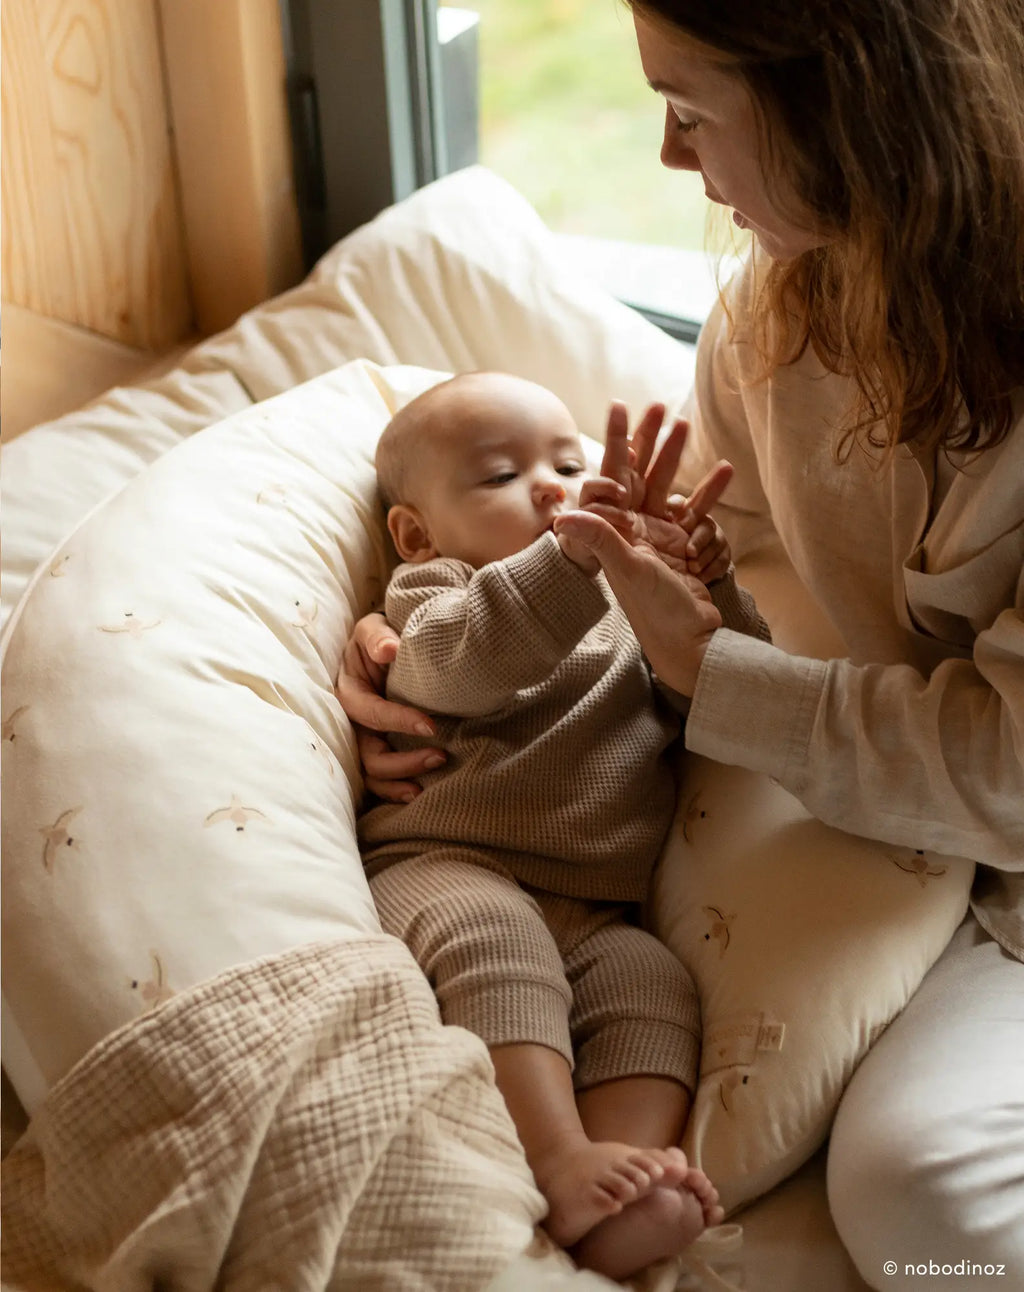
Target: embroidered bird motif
<point>130,625</point>
<point>918,865</point>
<point>9,734</point>
<point>304,618</point>
<point>719,931</point>
<point>693,813</point>
<point>153,991</point>
<point>730,1083</point>
<point>237,813</point>
<point>318,747</point>
<point>58,837</point>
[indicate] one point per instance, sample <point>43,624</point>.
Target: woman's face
<point>711,128</point>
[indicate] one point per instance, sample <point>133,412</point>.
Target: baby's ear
<point>410,534</point>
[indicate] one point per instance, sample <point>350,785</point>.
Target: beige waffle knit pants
<point>518,965</point>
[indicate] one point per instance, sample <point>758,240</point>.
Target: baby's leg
<point>635,1011</point>
<point>585,1180</point>
<point>495,968</point>
<point>666,1219</point>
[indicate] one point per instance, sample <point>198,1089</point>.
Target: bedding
<point>303,1121</point>
<point>461,275</point>
<point>180,782</point>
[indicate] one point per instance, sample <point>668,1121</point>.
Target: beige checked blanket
<point>304,1122</point>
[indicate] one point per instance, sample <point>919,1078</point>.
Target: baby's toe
<point>623,1182</point>
<point>650,1162</point>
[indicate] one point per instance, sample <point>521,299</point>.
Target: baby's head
<point>477,468</point>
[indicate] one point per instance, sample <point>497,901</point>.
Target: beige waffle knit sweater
<point>555,730</point>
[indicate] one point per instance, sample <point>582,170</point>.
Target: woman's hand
<point>679,529</point>
<point>360,689</point>
<point>671,613</point>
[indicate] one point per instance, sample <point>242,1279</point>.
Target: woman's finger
<point>645,437</point>
<point>392,791</point>
<point>663,469</point>
<point>623,564</point>
<point>361,679</point>
<point>372,646</point>
<point>363,706</point>
<point>389,774</point>
<point>384,763</point>
<point>615,462</point>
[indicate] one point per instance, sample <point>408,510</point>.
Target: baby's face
<point>508,459</point>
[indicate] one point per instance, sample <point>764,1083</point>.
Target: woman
<point>866,378</point>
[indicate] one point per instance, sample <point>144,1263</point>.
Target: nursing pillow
<point>180,790</point>
<point>804,943</point>
<point>179,777</point>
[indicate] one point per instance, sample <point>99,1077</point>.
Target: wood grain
<point>226,82</point>
<point>91,225</point>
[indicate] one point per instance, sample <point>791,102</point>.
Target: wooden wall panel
<point>226,83</point>
<point>91,222</point>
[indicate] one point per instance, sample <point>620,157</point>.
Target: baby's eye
<point>570,469</point>
<point>500,478</point>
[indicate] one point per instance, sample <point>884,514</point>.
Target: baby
<point>516,876</point>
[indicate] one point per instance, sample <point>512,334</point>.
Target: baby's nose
<point>549,490</point>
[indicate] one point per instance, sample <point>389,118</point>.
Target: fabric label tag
<point>734,1042</point>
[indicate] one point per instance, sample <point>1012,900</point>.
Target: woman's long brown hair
<point>900,125</point>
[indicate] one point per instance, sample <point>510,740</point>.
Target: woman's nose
<point>676,153</point>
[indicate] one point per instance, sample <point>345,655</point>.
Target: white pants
<point>926,1164</point>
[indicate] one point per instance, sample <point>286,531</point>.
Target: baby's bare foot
<point>592,1182</point>
<point>698,1183</point>
<point>663,1222</point>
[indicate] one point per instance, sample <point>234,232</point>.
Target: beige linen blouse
<point>917,736</point>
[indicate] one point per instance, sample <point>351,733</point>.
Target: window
<point>567,117</point>
<point>548,93</point>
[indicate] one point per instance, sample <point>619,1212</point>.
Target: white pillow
<point>461,275</point>
<point>179,778</point>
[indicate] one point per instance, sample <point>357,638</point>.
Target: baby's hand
<point>610,500</point>
<point>707,552</point>
<point>613,502</point>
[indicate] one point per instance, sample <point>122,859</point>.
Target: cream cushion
<point>804,943</point>
<point>462,275</point>
<point>179,778</point>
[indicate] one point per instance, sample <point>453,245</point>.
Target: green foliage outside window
<point>567,117</point>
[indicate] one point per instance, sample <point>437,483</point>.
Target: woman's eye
<point>685,124</point>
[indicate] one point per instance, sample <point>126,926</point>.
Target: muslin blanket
<point>303,1122</point>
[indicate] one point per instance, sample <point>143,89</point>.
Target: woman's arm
<point>934,762</point>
